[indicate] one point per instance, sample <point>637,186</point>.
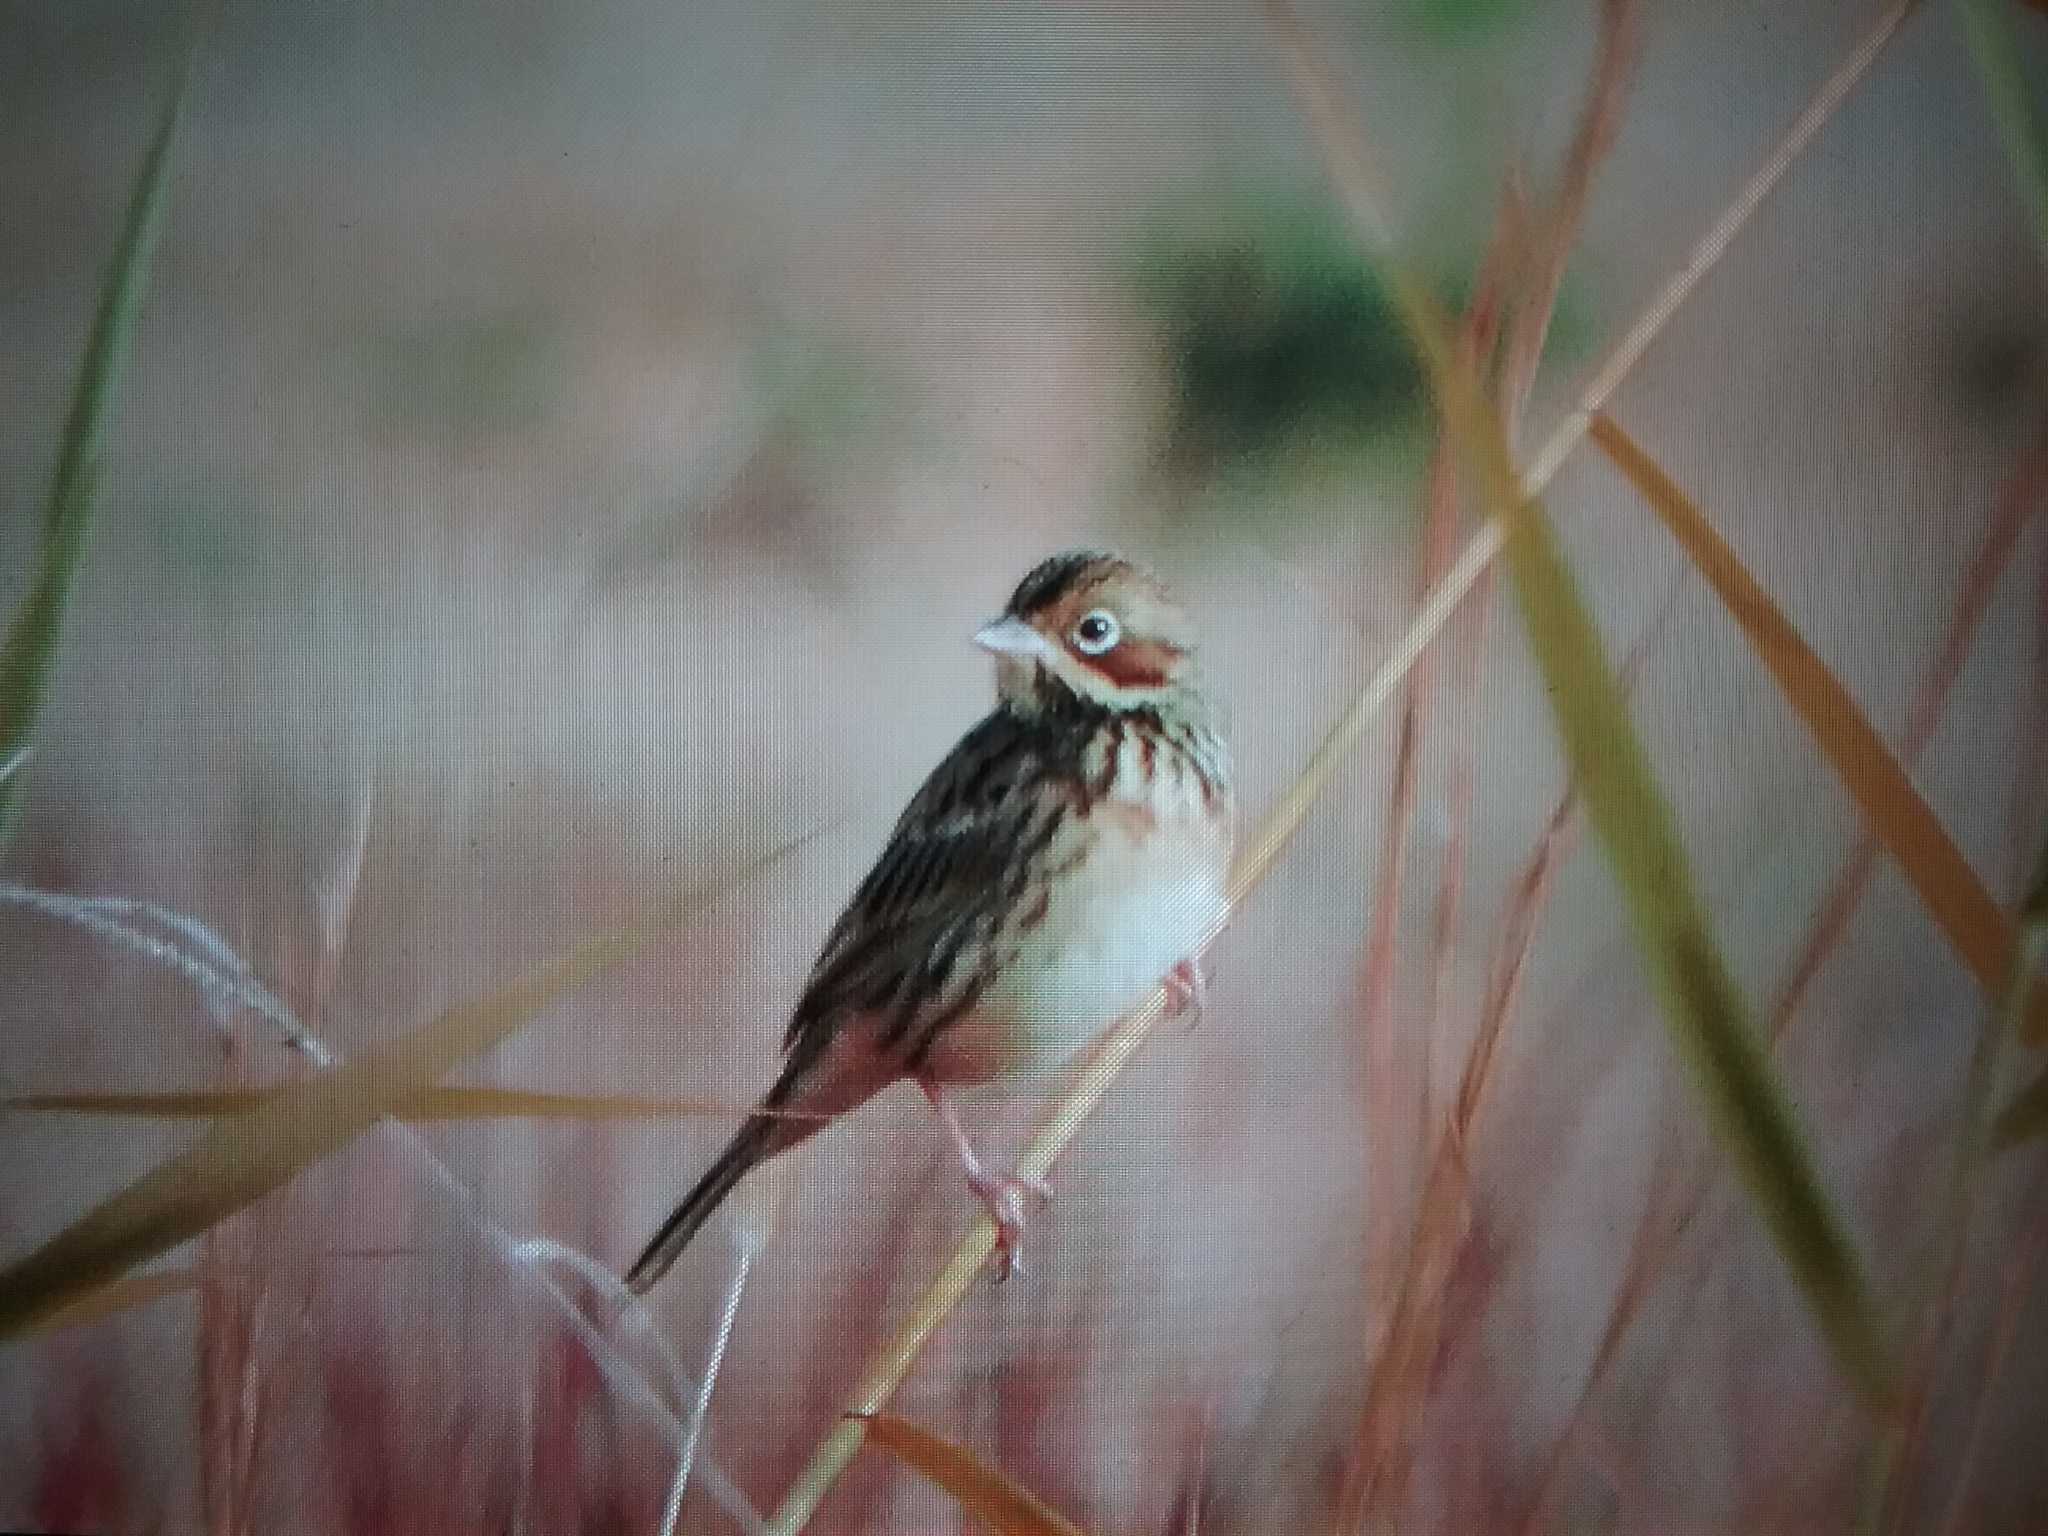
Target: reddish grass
<point>1526,271</point>
<point>82,1468</point>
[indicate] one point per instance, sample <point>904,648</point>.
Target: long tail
<point>757,1141</point>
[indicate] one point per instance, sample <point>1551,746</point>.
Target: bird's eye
<point>1097,632</point>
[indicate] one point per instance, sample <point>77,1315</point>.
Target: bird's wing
<point>912,939</point>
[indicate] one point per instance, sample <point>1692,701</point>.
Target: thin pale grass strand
<point>700,1408</point>
<point>237,1161</point>
<point>529,1257</point>
<point>223,981</point>
<point>632,1310</point>
<point>232,979</point>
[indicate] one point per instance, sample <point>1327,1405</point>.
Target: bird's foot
<point>1003,1195</point>
<point>1189,990</point>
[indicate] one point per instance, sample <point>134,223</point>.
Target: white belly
<point>1114,927</point>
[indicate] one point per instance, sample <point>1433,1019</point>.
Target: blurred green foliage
<point>490,369</point>
<point>1288,380</point>
<point>1454,23</point>
<point>207,549</point>
<point>1278,330</point>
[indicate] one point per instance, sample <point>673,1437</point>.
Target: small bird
<point>1067,857</point>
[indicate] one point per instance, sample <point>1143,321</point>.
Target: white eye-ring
<point>1097,632</point>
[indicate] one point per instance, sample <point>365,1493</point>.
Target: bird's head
<point>1096,626</point>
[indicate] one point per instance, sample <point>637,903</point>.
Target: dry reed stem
<point>1663,1221</point>
<point>1709,249</point>
<point>1383,1106</point>
<point>2028,808</point>
<point>1402,1369</point>
<point>2016,1290</point>
<point>2022,495</point>
<point>1937,1292</point>
<point>1908,1464</point>
<point>1598,126</point>
<point>1535,305</point>
<point>886,1370</point>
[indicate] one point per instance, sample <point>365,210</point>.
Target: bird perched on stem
<point>1065,859</point>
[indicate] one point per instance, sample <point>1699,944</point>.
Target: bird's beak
<point>1010,637</point>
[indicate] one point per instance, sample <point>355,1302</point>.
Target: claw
<point>1190,989</point>
<point>1003,1194</point>
<point>1004,1198</point>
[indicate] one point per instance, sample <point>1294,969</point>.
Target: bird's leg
<point>1003,1194</point>
<point>1190,989</point>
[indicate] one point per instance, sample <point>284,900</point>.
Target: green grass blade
<point>1705,1011</point>
<point>29,653</point>
<point>2015,105</point>
<point>1706,1014</point>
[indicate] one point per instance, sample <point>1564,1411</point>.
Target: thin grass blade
<point>2015,105</point>
<point>28,655</point>
<point>1709,1019</point>
<point>430,1104</point>
<point>1982,934</point>
<point>1902,1450</point>
<point>240,1159</point>
<point>991,1498</point>
<point>124,1295</point>
<point>1707,1016</point>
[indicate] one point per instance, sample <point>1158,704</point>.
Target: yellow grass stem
<point>997,1504</point>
